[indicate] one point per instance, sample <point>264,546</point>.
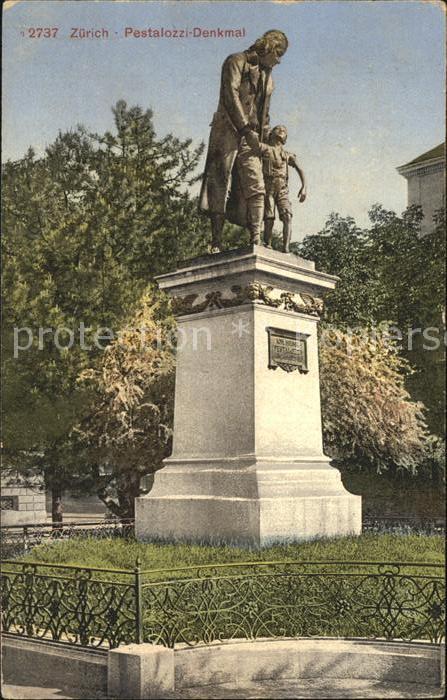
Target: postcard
<point>223,252</point>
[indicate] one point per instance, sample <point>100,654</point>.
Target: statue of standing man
<point>233,185</point>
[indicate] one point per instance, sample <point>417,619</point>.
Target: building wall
<point>427,188</point>
<point>21,505</point>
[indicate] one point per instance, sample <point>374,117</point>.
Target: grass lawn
<point>122,553</point>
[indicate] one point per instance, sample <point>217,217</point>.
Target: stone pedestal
<point>247,464</point>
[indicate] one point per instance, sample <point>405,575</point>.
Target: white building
<point>425,176</point>
<point>22,503</point>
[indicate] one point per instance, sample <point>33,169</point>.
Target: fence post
<point>138,603</point>
<point>29,574</point>
<point>25,538</point>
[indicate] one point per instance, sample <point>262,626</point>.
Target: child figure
<point>275,162</point>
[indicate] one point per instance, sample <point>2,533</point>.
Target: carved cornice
<point>423,168</point>
<point>254,292</point>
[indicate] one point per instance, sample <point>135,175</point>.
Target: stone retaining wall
<point>140,671</point>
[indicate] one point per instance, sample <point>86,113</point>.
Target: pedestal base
<point>247,462</point>
<point>259,504</point>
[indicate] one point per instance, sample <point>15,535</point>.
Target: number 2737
<point>45,32</point>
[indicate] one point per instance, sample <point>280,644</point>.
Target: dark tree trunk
<point>126,499</point>
<point>122,502</point>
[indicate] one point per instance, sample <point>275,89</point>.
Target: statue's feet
<point>268,245</point>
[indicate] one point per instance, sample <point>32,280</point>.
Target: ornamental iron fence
<point>16,540</point>
<point>189,605</point>
<point>69,604</point>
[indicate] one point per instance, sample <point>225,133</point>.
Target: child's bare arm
<point>302,194</point>
<point>258,147</point>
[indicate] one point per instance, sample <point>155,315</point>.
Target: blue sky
<point>361,87</point>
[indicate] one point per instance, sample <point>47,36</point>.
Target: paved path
<point>323,690</point>
<point>30,692</point>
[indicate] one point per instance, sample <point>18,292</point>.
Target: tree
<point>411,266</point>
<point>41,256</point>
<point>368,417</point>
<point>342,249</point>
<point>140,203</point>
<point>390,272</point>
<point>127,434</point>
<point>86,227</point>
<point>412,278</point>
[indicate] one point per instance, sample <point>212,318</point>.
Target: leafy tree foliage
<point>387,272</point>
<point>127,433</point>
<point>141,202</point>
<point>342,249</point>
<point>85,227</point>
<point>368,417</point>
<point>390,272</point>
<point>411,266</point>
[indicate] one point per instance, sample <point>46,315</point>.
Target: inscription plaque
<point>287,350</point>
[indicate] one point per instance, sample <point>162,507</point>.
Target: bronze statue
<point>275,168</point>
<point>233,185</point>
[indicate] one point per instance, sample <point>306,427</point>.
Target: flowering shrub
<point>368,416</point>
